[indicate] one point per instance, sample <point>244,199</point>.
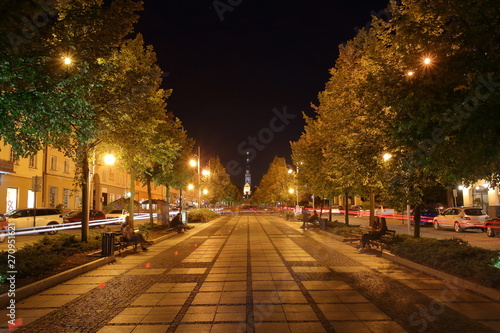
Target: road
<point>473,237</point>
<point>254,274</point>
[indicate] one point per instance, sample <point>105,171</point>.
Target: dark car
<point>493,227</point>
<point>427,215</point>
<point>94,215</point>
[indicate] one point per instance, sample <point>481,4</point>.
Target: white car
<point>35,217</point>
<point>461,218</point>
<point>118,214</point>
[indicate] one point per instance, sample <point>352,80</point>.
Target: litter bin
<point>322,224</point>
<point>108,244</point>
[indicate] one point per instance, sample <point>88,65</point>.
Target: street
<point>255,273</point>
<point>474,237</point>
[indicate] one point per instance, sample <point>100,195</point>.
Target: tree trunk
<point>85,195</point>
<point>151,220</point>
<point>346,208</point>
<point>416,221</point>
<point>168,205</point>
<point>372,207</point>
<point>131,207</point>
<point>330,204</point>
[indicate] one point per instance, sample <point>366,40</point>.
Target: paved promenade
<point>255,273</point>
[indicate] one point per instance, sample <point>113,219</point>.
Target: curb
<point>41,285</point>
<point>465,284</point>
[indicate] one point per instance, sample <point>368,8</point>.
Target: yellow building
<point>54,173</point>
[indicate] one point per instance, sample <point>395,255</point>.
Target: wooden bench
<point>383,241</point>
<point>121,243</point>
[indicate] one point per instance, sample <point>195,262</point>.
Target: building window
<point>53,197</point>
<point>66,166</point>
<point>111,174</point>
<point>11,198</point>
<point>66,193</point>
<point>53,162</point>
<point>32,162</point>
<point>31,199</point>
<point>13,157</point>
<point>78,202</point>
<point>103,175</point>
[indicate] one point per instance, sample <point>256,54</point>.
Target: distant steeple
<point>248,178</point>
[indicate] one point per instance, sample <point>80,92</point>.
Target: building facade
<point>47,180</point>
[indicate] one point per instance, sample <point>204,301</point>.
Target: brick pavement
<point>255,274</point>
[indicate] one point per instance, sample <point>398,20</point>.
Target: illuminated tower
<point>248,179</point>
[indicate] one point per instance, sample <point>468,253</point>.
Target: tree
<point>274,188</point>
<point>218,183</point>
<point>135,123</point>
<point>43,103</point>
<point>440,60</point>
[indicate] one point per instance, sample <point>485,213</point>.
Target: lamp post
<point>196,163</point>
<point>290,171</point>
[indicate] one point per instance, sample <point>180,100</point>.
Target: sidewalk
<point>254,274</point>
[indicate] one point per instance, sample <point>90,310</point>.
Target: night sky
<point>231,66</point>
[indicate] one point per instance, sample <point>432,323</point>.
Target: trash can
<point>108,244</point>
<point>322,224</point>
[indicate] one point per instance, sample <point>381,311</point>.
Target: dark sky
<point>228,75</point>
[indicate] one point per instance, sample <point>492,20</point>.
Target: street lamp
<point>109,159</point>
<point>196,163</point>
<point>67,60</point>
<point>290,171</point>
<point>191,187</point>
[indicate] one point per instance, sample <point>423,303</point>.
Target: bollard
<point>108,244</point>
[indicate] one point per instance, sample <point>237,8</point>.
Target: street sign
<point>36,184</point>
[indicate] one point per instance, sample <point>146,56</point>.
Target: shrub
<point>201,215</point>
<point>454,256</point>
<point>342,229</point>
<point>47,253</point>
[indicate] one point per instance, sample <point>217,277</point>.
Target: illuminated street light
<point>205,191</point>
<point>427,61</point>
<point>410,73</point>
<point>109,159</point>
<point>387,156</point>
<point>205,173</point>
<point>67,60</point>
<point>190,187</point>
<point>291,191</point>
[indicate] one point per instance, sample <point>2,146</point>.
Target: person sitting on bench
<point>374,234</point>
<point>131,236</point>
<point>177,224</point>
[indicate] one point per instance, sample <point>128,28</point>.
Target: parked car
<point>35,217</point>
<point>337,210</point>
<point>77,215</point>
<point>427,215</point>
<point>384,211</point>
<point>3,227</point>
<point>355,210</point>
<point>493,227</point>
<point>461,218</point>
<point>119,214</point>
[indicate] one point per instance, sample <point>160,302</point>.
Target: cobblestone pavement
<point>255,273</point>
